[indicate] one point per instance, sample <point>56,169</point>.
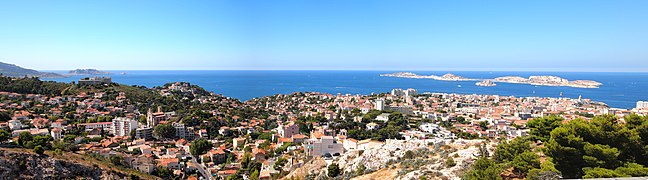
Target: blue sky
<point>586,35</point>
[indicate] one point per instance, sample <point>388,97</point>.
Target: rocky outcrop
<point>25,165</point>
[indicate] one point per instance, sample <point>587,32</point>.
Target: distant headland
<point>533,80</point>
<point>12,70</point>
<point>87,72</point>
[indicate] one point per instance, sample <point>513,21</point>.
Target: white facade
<point>406,93</point>
<point>15,124</point>
<point>123,126</point>
<point>323,146</point>
<point>380,105</point>
<point>429,127</point>
<point>642,104</point>
<point>383,117</point>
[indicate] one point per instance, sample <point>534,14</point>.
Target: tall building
<point>406,93</point>
<point>123,126</point>
<point>144,133</point>
<point>380,104</point>
<point>642,104</point>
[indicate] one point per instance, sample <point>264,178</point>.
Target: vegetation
<point>603,147</point>
<point>333,170</point>
<point>200,146</point>
<point>39,149</point>
<point>164,131</point>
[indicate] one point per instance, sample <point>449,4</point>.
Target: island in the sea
<point>87,72</point>
<point>533,80</point>
<point>445,77</point>
<point>486,83</point>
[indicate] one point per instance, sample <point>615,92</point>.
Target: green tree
<point>164,131</point>
<point>39,150</point>
<point>541,127</point>
<point>24,137</point>
<point>199,147</point>
<point>506,151</point>
<point>483,169</point>
<point>333,170</point>
<point>254,175</point>
<point>525,162</point>
<point>280,163</point>
<point>4,135</point>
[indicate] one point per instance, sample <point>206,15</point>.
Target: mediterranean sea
<point>619,89</point>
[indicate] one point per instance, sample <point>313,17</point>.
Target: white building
<point>15,124</point>
<point>406,93</point>
<point>642,104</point>
<point>429,127</point>
<point>56,133</point>
<point>288,130</point>
<point>123,126</point>
<point>325,145</point>
<point>372,126</point>
<point>380,104</point>
<point>383,117</point>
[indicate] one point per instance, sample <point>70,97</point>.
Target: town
<point>180,130</point>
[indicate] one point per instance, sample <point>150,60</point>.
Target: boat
<point>459,86</point>
<point>123,73</point>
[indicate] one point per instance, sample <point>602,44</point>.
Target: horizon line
<point>395,70</point>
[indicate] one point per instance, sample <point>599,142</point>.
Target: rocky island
<point>87,72</point>
<point>533,80</point>
<point>486,83</point>
<point>445,77</point>
<point>549,81</point>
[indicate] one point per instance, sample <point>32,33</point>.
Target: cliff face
<point>24,165</point>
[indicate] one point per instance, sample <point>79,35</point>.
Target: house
<point>325,145</point>
<point>288,130</point>
<point>218,156</point>
<point>15,124</point>
<point>236,142</point>
<point>350,144</point>
<point>56,133</point>
<point>383,117</point>
<point>171,163</point>
<point>372,126</point>
<point>429,127</point>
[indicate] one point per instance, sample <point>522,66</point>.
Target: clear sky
<point>575,35</point>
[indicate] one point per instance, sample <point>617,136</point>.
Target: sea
<point>619,89</point>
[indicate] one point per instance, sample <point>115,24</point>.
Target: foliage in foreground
<point>603,147</point>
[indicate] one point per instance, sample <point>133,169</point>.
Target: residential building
<point>325,145</point>
<point>123,126</point>
<point>380,105</point>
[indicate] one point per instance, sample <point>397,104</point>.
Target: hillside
<point>17,71</point>
<point>23,164</point>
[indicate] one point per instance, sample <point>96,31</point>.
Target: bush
<point>450,162</point>
<point>39,149</point>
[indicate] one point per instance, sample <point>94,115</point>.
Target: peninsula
<point>12,70</point>
<point>533,80</point>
